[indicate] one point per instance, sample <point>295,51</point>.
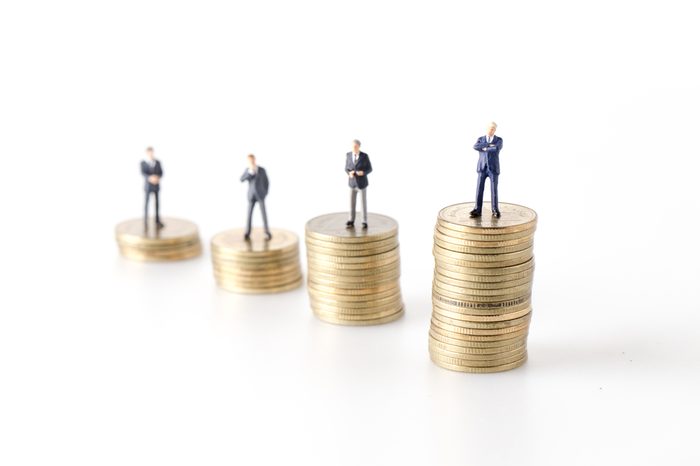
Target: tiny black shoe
<point>349,224</point>
<point>246,237</point>
<point>159,224</point>
<point>474,213</point>
<point>497,213</point>
<point>268,236</point>
<point>364,226</point>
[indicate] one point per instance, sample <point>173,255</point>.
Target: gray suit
<point>258,185</point>
<point>357,182</point>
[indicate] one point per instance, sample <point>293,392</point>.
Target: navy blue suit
<point>489,167</point>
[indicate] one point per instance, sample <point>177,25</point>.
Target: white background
<point>104,361</point>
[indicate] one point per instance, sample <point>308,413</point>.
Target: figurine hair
<point>356,141</point>
<point>149,149</point>
<point>251,156</point>
<point>493,124</point>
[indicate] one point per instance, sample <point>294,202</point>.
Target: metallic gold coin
<point>171,255</point>
<point>487,273</point>
<point>481,318</point>
<point>482,358</point>
<point>232,243</point>
<point>476,363</point>
<point>368,272</point>
<point>353,314</point>
<point>513,218</point>
<point>480,370</point>
<point>457,349</point>
<point>481,299</point>
<point>345,286</point>
<point>234,287</point>
<point>341,280</point>
<point>312,243</point>
<point>341,321</point>
<point>487,314</point>
<point>332,301</point>
<point>478,336</point>
<point>454,329</point>
<point>484,279</point>
<point>321,258</point>
<point>369,290</point>
<point>176,231</point>
<point>351,252</point>
<point>487,307</point>
<point>438,235</point>
<point>480,285</point>
<point>494,325</point>
<point>468,293</point>
<point>252,261</point>
<point>160,247</point>
<point>499,237</point>
<point>233,270</point>
<point>260,281</point>
<point>442,254</point>
<point>361,298</point>
<point>483,251</point>
<point>359,268</point>
<point>331,227</point>
<point>472,341</point>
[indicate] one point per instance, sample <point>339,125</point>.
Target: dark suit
<point>258,185</point>
<point>358,183</point>
<point>148,170</point>
<point>489,167</point>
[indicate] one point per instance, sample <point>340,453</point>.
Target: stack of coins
<point>354,272</point>
<point>482,288</point>
<point>178,239</point>
<point>256,265</point>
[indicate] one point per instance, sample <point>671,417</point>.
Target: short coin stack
<point>256,265</point>
<point>354,273</point>
<point>178,239</point>
<point>482,288</point>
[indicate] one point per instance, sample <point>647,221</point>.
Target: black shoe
<point>159,224</point>
<point>268,236</point>
<point>474,213</point>
<point>246,237</point>
<point>349,224</point>
<point>496,214</point>
<point>364,226</point>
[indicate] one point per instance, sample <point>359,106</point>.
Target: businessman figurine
<point>258,185</point>
<point>489,147</point>
<point>152,173</point>
<point>357,166</point>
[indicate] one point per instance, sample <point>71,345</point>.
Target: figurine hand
<point>351,174</point>
<point>360,173</point>
<point>153,179</point>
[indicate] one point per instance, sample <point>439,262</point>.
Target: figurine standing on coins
<point>152,172</point>
<point>357,166</point>
<point>489,147</point>
<point>258,185</point>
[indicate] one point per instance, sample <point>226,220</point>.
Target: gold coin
<point>358,268</point>
<point>478,336</point>
<point>232,269</point>
<point>251,261</point>
<point>325,258</point>
<point>439,287</point>
<point>513,218</point>
<point>438,235</point>
<point>324,300</point>
<point>463,236</point>
<point>354,279</point>
<point>232,243</point>
<point>234,287</point>
<point>480,285</point>
<point>337,285</point>
<point>493,325</point>
<point>356,314</point>
<point>475,363</point>
<point>171,255</point>
<point>473,341</point>
<point>482,251</point>
<point>517,343</point>
<point>478,314</point>
<point>481,358</point>
<point>454,329</point>
<point>159,247</point>
<point>463,297</point>
<point>488,307</point>
<point>442,253</point>
<point>481,318</point>
<point>445,261</point>
<point>393,267</point>
<point>331,227</point>
<point>480,370</point>
<point>351,253</point>
<point>262,281</point>
<point>340,321</point>
<point>313,243</point>
<point>176,231</point>
<point>487,273</point>
<point>484,279</point>
<point>316,294</point>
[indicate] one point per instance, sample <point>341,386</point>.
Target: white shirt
<point>489,139</point>
<point>152,163</point>
<point>253,171</point>
<point>355,157</point>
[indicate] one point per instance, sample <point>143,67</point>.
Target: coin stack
<point>256,265</point>
<point>178,239</point>
<point>482,288</point>
<point>354,272</point>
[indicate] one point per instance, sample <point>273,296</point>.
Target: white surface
<point>105,361</point>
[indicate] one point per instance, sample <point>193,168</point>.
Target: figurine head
<point>356,146</point>
<point>251,160</point>
<point>149,153</point>
<point>491,130</point>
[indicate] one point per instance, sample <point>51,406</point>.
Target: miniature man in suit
<point>489,147</point>
<point>258,185</point>
<point>152,173</point>
<point>357,166</point>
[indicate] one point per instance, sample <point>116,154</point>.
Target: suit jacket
<point>147,170</point>
<point>258,184</point>
<point>488,156</point>
<point>363,164</point>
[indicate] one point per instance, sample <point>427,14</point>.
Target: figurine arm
<point>159,170</point>
<point>480,145</point>
<point>348,166</point>
<point>144,169</point>
<point>368,168</point>
<point>245,176</point>
<point>495,147</point>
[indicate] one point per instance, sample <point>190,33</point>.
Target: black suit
<point>147,170</point>
<point>258,185</point>
<point>358,182</point>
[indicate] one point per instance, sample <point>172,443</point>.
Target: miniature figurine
<point>152,172</point>
<point>357,166</point>
<point>489,147</point>
<point>258,185</point>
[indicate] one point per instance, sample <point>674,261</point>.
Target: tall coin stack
<point>256,265</point>
<point>354,273</point>
<point>178,239</point>
<point>482,288</point>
